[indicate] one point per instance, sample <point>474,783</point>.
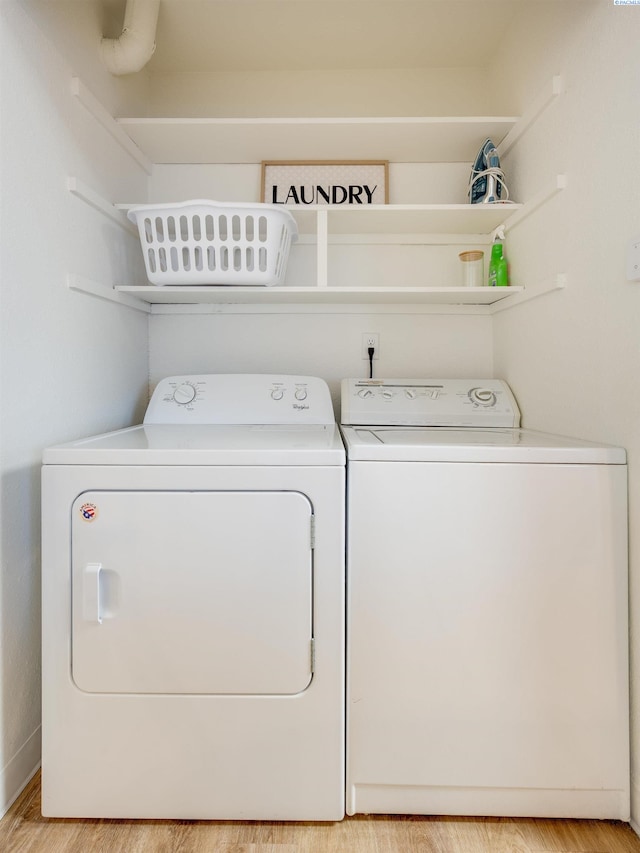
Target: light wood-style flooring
<point>24,830</point>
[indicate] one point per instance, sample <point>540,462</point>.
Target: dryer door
<point>192,592</point>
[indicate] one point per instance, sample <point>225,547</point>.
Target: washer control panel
<point>429,402</point>
<point>235,398</point>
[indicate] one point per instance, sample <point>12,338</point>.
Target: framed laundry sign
<point>306,182</point>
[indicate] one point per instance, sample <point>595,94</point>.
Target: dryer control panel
<point>429,402</point>
<point>240,398</point>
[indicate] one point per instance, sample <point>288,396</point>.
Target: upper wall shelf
<point>251,140</point>
<point>400,139</point>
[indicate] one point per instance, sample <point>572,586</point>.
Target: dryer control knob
<point>301,394</point>
<point>410,393</point>
<point>482,396</point>
<point>184,394</point>
<point>277,394</point>
<point>365,393</point>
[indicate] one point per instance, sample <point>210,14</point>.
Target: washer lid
<point>423,444</point>
<point>200,444</point>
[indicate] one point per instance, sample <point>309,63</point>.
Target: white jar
<point>472,265</point>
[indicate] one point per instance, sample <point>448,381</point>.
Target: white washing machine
<point>487,608</point>
<point>193,608</point>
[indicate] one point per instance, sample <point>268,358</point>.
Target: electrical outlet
<point>370,339</point>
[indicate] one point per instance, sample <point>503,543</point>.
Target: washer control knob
<point>277,394</point>
<point>365,393</point>
<point>482,396</point>
<point>410,393</point>
<point>301,394</point>
<point>387,395</point>
<point>184,394</point>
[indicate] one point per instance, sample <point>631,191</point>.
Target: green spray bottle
<point>498,273</point>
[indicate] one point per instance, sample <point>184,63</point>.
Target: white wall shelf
<point>326,225</point>
<point>398,139</point>
<point>471,296</point>
<point>396,224</point>
<point>444,221</point>
<point>414,139</point>
<point>403,219</point>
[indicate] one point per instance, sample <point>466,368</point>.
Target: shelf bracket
<point>93,105</point>
<point>93,288</point>
<point>530,115</point>
<point>94,200</point>
<point>532,205</point>
<point>557,283</point>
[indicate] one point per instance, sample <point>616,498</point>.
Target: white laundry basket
<point>208,242</point>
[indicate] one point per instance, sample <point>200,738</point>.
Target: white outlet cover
<point>633,259</point>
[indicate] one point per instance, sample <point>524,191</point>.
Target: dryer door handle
<point>91,609</point>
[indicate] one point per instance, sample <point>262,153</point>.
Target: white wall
<point>573,357</point>
<point>320,344</point>
<point>342,92</point>
<point>70,365</point>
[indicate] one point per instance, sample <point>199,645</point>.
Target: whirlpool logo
<point>300,406</point>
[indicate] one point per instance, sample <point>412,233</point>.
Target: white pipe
<point>135,47</point>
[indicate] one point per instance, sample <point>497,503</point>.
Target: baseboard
<point>19,770</point>
<point>635,806</point>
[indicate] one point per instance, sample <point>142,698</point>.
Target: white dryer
<point>487,608</point>
<point>193,608</point>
